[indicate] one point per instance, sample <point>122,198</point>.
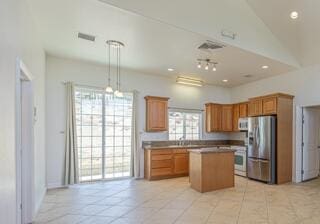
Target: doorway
<point>310,144</point>
<point>24,144</point>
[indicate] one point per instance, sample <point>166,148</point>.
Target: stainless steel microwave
<point>243,124</point>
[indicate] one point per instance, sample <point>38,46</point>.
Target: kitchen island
<point>211,168</point>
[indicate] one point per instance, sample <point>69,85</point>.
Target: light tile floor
<point>173,201</point>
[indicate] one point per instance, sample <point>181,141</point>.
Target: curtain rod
<point>180,108</point>
<point>81,85</point>
<point>95,87</point>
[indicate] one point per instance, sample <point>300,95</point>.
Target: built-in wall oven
<point>240,160</point>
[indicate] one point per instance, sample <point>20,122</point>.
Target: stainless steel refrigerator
<point>261,163</point>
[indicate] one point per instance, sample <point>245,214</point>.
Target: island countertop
<point>212,150</point>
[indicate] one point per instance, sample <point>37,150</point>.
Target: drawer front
<point>161,157</point>
<point>178,151</point>
<point>161,164</point>
<point>161,151</point>
<point>161,171</point>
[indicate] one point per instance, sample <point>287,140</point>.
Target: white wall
<point>303,84</point>
<point>18,39</point>
<point>60,70</point>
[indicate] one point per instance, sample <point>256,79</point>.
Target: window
<point>184,125</point>
<point>104,134</point>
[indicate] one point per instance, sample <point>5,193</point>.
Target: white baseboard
<point>39,202</point>
<point>55,185</point>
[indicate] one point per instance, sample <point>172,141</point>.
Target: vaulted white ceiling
<point>165,34</point>
<point>301,36</point>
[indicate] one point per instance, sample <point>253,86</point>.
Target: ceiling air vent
<point>86,37</point>
<point>209,45</point>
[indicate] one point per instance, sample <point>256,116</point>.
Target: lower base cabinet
<point>181,163</point>
<point>165,163</point>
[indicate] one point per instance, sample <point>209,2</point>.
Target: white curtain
<point>71,151</point>
<point>135,137</point>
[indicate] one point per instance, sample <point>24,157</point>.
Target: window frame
<point>184,112</point>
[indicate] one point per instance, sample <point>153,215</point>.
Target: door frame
<point>24,148</point>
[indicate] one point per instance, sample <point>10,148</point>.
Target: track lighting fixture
<point>208,63</point>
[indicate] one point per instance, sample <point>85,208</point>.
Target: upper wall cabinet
<point>213,117</point>
<point>236,115</point>
<point>219,118</point>
<point>255,107</point>
<point>266,105</point>
<point>156,113</point>
<point>243,110</point>
<point>269,105</point>
<point>227,115</point>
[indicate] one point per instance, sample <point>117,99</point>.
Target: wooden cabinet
<point>219,117</point>
<point>255,108</point>
<point>156,113</point>
<point>226,118</point>
<point>165,163</point>
<point>211,171</point>
<point>181,163</point>
<point>213,117</point>
<point>236,115</point>
<point>269,105</point>
<point>243,110</point>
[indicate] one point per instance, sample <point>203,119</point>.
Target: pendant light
<point>118,93</point>
<point>116,46</point>
<point>109,88</point>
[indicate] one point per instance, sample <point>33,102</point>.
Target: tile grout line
<point>242,201</point>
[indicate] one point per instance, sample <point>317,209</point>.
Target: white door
<point>310,152</point>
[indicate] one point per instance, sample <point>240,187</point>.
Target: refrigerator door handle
<point>255,137</point>
<point>258,137</point>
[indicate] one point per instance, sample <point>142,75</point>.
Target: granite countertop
<point>185,147</point>
<point>211,150</point>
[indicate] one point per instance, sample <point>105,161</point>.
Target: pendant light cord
<point>109,75</point>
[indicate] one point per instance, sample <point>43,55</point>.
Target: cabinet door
<point>213,117</point>
<point>157,115</point>
<point>255,107</point>
<point>269,105</point>
<point>227,121</point>
<point>243,110</point>
<point>236,113</point>
<point>181,163</point>
<point>216,117</point>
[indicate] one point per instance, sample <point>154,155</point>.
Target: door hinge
<point>302,144</point>
<point>21,206</point>
<point>302,172</point>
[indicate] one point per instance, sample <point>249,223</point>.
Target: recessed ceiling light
<point>225,80</point>
<point>294,15</point>
<point>170,69</point>
<point>265,66</point>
